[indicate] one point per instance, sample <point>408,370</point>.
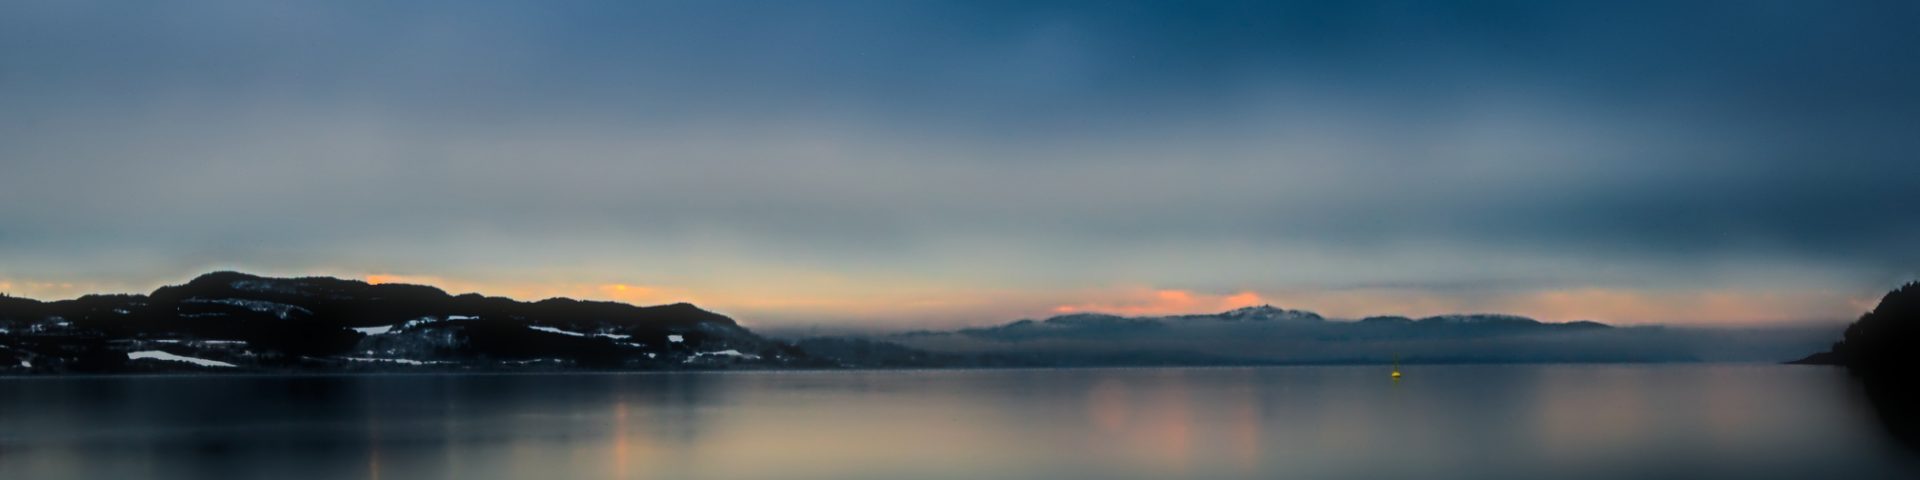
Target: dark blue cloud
<point>902,137</point>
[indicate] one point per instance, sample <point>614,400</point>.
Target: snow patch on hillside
<point>380,330</point>
<point>402,361</point>
<point>160,355</point>
<point>570,333</point>
<point>724,353</point>
<point>277,309</point>
<point>432,320</point>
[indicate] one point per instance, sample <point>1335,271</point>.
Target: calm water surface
<point>1669,421</point>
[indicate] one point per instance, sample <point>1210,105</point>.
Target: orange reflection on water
<point>1107,406</point>
<point>1586,412</point>
<point>373,447</point>
<point>1174,427</point>
<point>633,454</point>
<point>1156,427</point>
<point>1245,438</point>
<point>620,440</point>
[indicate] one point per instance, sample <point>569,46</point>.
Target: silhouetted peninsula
<point>1880,350</point>
<point>1884,342</point>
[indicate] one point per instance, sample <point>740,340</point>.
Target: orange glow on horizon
<point>621,290</point>
<point>913,304</point>
<point>1145,302</point>
<point>1704,307</point>
<point>530,291</point>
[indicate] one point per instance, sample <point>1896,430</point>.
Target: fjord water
<point>1554,421</point>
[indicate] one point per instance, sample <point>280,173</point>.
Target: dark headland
<point>1883,342</point>
<point>1882,349</point>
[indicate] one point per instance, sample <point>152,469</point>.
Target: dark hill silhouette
<point>319,323</point>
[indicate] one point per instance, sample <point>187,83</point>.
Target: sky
<point>915,164</point>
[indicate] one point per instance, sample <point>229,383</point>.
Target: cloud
<point>912,163</point>
<point>1147,302</point>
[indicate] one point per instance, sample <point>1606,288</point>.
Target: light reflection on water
<point>1672,421</point>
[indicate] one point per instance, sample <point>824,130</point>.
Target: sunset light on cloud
<point>1144,302</point>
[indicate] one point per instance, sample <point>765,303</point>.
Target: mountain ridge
<point>1089,322</point>
<point>1270,335</point>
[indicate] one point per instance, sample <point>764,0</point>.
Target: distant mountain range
<point>229,321</point>
<point>1267,335</point>
<point>1094,324</point>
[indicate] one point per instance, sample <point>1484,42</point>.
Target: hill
<point>228,321</point>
